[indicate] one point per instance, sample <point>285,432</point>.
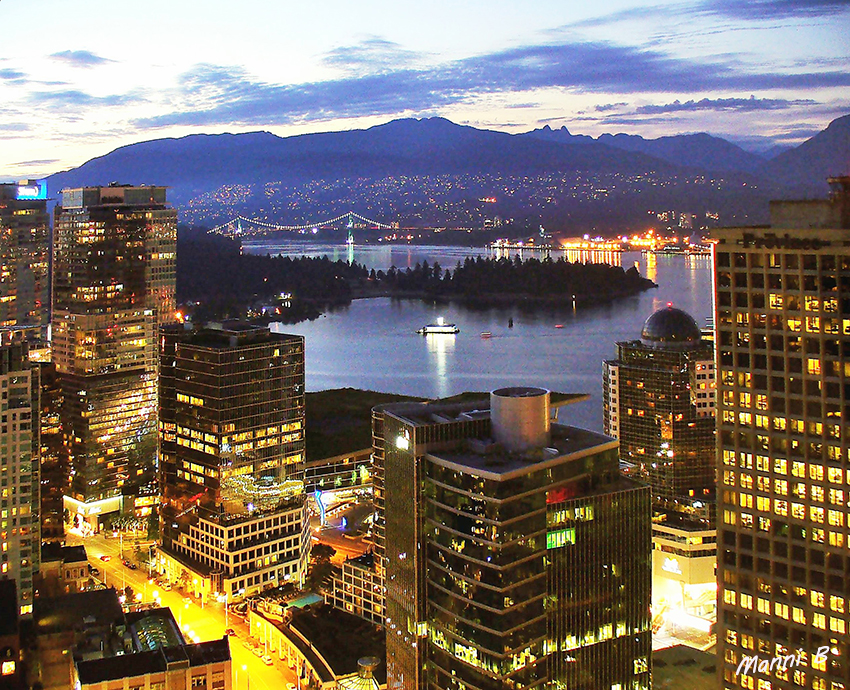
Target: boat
<point>439,328</point>
<point>486,334</point>
<point>559,325</point>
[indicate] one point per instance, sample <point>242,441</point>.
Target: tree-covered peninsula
<point>216,279</point>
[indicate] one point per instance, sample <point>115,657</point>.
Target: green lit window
<point>561,537</point>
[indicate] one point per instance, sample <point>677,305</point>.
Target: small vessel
<point>441,327</point>
<point>511,322</point>
<point>559,325</point>
<point>486,335</point>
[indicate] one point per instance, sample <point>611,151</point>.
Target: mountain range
<point>434,172</point>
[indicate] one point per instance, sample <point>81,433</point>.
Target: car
<point>230,632</point>
<point>291,686</point>
<point>94,571</point>
<point>248,644</point>
<point>267,660</point>
<point>258,651</point>
<point>166,586</point>
<point>106,558</point>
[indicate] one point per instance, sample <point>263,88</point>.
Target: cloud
<point>606,107</point>
<point>40,161</point>
<point>739,104</point>
<point>12,76</point>
<point>14,127</point>
<point>75,98</point>
<point>215,95</point>
<point>756,10</point>
<point>80,58</point>
<point>371,56</point>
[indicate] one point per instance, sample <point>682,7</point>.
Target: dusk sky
<point>78,79</point>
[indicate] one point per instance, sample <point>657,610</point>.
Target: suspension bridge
<point>240,225</point>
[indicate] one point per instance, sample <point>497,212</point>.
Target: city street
<point>208,623</point>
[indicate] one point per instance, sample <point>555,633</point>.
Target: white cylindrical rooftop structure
<point>520,418</point>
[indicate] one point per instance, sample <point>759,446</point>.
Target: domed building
<point>659,401</point>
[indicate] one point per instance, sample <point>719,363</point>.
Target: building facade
<point>782,311</point>
<point>659,401</point>
<point>233,514</point>
<point>516,555</point>
<point>24,255</point>
<point>114,263</point>
<point>19,477</point>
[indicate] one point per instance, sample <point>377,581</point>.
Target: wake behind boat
<point>441,327</point>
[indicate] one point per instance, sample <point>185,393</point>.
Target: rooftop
<point>679,667</point>
<point>54,551</point>
<point>671,328</point>
<point>142,663</point>
<point>98,608</point>
<point>342,638</point>
<point>489,460</point>
<point>153,629</point>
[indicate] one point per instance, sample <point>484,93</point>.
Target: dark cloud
<point>374,55</point>
<point>740,104</point>
<point>213,94</point>
<point>80,58</point>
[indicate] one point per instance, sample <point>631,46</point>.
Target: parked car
<point>291,686</point>
<point>230,632</point>
<point>267,660</point>
<point>258,651</point>
<point>166,586</point>
<point>105,558</point>
<point>93,571</point>
<point>248,644</point>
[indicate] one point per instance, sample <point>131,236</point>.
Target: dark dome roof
<point>670,327</point>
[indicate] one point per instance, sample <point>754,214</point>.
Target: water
<point>373,343</point>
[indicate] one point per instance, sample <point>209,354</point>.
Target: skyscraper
<point>24,255</point>
<point>20,542</point>
<point>233,514</point>
<point>516,554</point>
<point>782,312</point>
<point>114,276</point>
<point>659,401</point>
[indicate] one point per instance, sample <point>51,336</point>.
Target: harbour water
<point>373,343</point>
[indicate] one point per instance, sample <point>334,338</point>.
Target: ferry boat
<point>441,327</point>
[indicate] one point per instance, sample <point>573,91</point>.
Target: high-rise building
<point>233,514</point>
<point>782,313</point>
<point>114,275</point>
<point>19,477</point>
<point>24,255</point>
<point>659,401</point>
<point>516,555</point>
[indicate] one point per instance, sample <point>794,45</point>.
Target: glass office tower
<point>114,275</point>
<point>782,309</point>
<point>24,255</point>
<point>516,554</point>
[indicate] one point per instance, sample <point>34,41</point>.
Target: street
<point>208,623</point>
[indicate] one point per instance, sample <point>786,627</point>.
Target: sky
<point>79,79</point>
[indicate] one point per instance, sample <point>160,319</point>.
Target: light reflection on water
<point>373,343</point>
